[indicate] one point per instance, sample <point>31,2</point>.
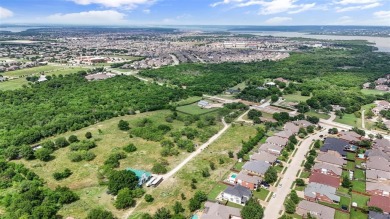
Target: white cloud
<point>5,13</point>
<point>344,20</point>
<point>89,17</point>
<point>382,14</point>
<point>270,6</point>
<point>278,20</point>
<point>359,7</point>
<point>347,2</point>
<point>127,4</point>
<point>147,11</point>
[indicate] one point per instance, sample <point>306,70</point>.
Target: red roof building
<point>381,202</point>
<point>325,179</point>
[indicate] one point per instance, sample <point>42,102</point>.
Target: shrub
<point>149,198</point>
<point>62,175</point>
<point>88,135</point>
<point>73,139</point>
<point>130,148</point>
<point>61,142</point>
<point>158,168</point>
<point>123,125</point>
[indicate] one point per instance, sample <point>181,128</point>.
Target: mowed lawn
<point>350,119</point>
<point>361,200</point>
<point>194,109</point>
<point>372,92</point>
<point>84,179</point>
<point>341,215</point>
<point>19,82</point>
<point>31,71</point>
<point>319,115</point>
<point>170,191</point>
<point>295,98</point>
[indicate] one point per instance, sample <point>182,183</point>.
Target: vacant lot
<point>319,115</point>
<point>350,119</point>
<point>295,98</point>
<point>109,138</point>
<point>31,71</point>
<point>170,191</point>
<point>194,109</point>
<point>372,92</point>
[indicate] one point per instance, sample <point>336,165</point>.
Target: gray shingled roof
<point>218,211</point>
<point>238,191</point>
<point>259,167</point>
<point>328,191</point>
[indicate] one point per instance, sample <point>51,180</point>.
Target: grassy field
<point>262,195</point>
<point>361,200</point>
<point>357,214</point>
<point>31,71</point>
<point>359,186</point>
<point>295,98</point>
<point>194,109</point>
<point>166,194</point>
<point>19,82</point>
<point>240,86</point>
<point>110,138</point>
<point>216,191</point>
<point>189,100</point>
<point>345,201</point>
<point>341,215</point>
<point>372,92</point>
<point>349,119</point>
<point>319,115</point>
<point>359,174</point>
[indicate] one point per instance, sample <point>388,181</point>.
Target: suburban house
<point>324,179</point>
<point>381,202</point>
<point>264,156</point>
<point>377,153</point>
<point>378,163</point>
<point>382,144</point>
<point>291,127</point>
<point>318,211</point>
<point>256,167</point>
<point>350,136</point>
<point>281,80</point>
<point>270,148</point>
<point>275,140</point>
<point>327,169</point>
<point>378,188</point>
<point>284,134</point>
<point>217,211</point>
<point>319,192</point>
<point>335,144</point>
<point>99,76</point>
<point>302,123</point>
<point>377,175</point>
<point>331,158</point>
<point>237,194</point>
<point>248,181</point>
<point>377,215</point>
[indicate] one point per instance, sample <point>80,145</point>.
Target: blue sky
<point>204,12</point>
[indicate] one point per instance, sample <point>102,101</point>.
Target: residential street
<point>276,204</point>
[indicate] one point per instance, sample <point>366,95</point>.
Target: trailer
<point>149,183</point>
<point>157,181</point>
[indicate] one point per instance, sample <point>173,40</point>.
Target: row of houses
<point>252,173</point>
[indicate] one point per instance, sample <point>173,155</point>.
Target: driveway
<point>276,204</point>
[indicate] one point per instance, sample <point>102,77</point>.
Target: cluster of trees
<point>291,202</point>
<point>252,209</point>
<point>255,116</point>
<point>30,199</point>
<point>62,175</point>
<point>71,102</point>
<point>256,94</point>
<point>251,143</point>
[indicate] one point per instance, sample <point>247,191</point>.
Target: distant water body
<point>382,43</point>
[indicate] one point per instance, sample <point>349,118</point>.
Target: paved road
<point>276,204</point>
<point>363,123</point>
<point>241,118</point>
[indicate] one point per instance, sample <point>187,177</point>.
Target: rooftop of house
<point>378,163</point>
<point>313,188</point>
<point>336,169</point>
<point>335,144</point>
<point>259,167</point>
<point>331,158</point>
<point>381,202</point>
<point>238,191</point>
<point>248,178</point>
<point>317,210</point>
<point>217,211</point>
<point>324,179</point>
<point>264,156</point>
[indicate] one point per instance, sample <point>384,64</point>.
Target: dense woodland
<point>71,102</point>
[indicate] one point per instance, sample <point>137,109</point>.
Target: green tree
<point>124,199</point>
<point>294,197</point>
<point>271,175</point>
<point>162,213</point>
<point>49,145</point>
<point>43,154</point>
<point>130,148</point>
<point>178,208</point>
<point>88,135</point>
<point>11,153</point>
<point>274,98</point>
<point>293,139</point>
<point>300,182</point>
<point>252,210</point>
<point>123,125</point>
<point>290,206</point>
<point>158,168</point>
<point>149,198</point>
<point>98,213</point>
<point>27,152</point>
<point>73,139</point>
<point>346,183</point>
<point>118,180</point>
<point>61,142</point>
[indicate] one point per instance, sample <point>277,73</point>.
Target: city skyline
<point>199,12</point>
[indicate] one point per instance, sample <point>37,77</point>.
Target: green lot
<point>319,115</point>
<point>359,174</point>
<point>296,98</point>
<point>359,186</point>
<point>262,195</point>
<point>194,109</point>
<point>372,92</point>
<point>216,191</point>
<point>361,200</point>
<point>357,214</point>
<point>349,119</point>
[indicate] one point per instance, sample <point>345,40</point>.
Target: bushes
<point>98,213</point>
<point>149,198</point>
<point>77,156</point>
<point>73,139</point>
<point>61,142</point>
<point>196,201</point>
<point>62,175</point>
<point>159,168</point>
<point>84,145</point>
<point>130,148</point>
<point>43,154</point>
<point>124,199</point>
<point>88,135</point>
<point>113,160</point>
<point>251,143</point>
<point>123,125</point>
<point>118,180</point>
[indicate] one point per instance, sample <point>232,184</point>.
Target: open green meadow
<point>194,109</point>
